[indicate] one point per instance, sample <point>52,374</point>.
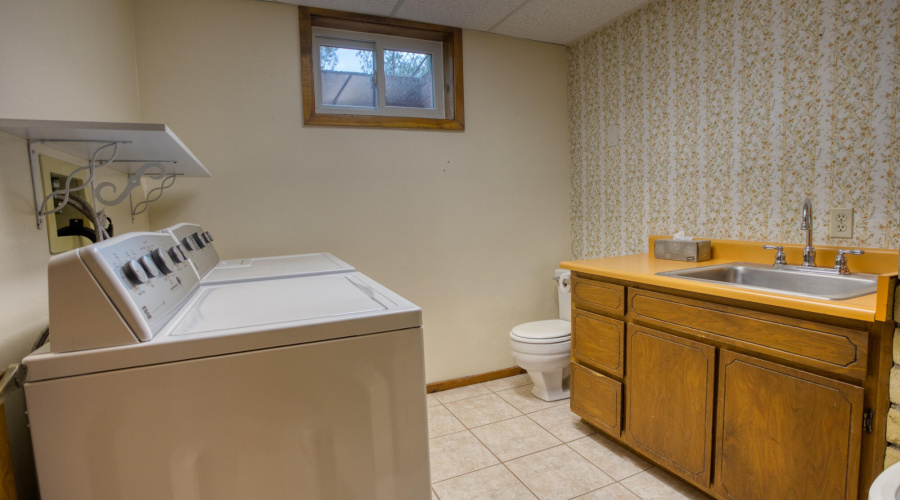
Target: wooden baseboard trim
<point>472,379</point>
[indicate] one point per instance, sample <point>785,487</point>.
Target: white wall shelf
<point>143,148</point>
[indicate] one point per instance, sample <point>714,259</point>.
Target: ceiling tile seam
<point>605,25</point>
<point>396,8</point>
<point>498,23</point>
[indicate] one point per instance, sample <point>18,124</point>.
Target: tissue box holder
<point>689,251</point>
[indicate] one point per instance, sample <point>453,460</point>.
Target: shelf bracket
<point>134,182</point>
<point>34,163</point>
<point>37,185</point>
<point>153,195</point>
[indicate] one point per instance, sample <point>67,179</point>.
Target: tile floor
<point>497,441</point>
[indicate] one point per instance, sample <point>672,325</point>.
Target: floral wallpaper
<point>718,117</point>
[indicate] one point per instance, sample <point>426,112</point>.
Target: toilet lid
<point>542,332</point>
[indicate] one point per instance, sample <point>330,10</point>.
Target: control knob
<point>163,261</point>
<point>149,266</point>
<point>135,272</point>
<point>188,243</point>
<point>176,254</point>
<point>206,237</point>
<point>199,240</point>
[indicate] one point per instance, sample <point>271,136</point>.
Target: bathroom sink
<point>818,283</point>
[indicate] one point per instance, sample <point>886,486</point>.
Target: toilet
<point>886,485</point>
<point>543,348</point>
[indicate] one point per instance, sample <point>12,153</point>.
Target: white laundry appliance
<point>153,387</point>
<point>197,244</point>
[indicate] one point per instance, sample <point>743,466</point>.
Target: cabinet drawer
<point>597,399</point>
<point>817,345</point>
<point>598,341</point>
<point>598,296</point>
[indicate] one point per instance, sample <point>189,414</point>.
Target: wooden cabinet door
<point>669,384</point>
<point>785,433</point>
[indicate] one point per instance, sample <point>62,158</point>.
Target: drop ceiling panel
<point>469,14</point>
<point>562,21</point>
<point>373,7</point>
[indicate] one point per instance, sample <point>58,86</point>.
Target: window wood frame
<point>451,38</point>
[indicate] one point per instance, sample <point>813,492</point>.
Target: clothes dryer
<point>304,387</point>
<point>196,244</point>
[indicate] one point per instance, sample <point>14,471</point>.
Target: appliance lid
<point>238,317</point>
<point>229,271</point>
<point>271,302</point>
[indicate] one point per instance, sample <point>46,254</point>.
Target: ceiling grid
<point>553,21</point>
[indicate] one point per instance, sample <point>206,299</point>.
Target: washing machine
<point>196,244</point>
<point>154,387</point>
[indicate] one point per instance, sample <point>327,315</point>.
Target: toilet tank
<point>564,289</point>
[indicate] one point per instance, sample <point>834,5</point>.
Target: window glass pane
<point>409,79</point>
<point>347,76</point>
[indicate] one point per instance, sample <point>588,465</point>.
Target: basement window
<point>366,71</point>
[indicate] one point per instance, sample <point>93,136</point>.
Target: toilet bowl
<point>543,348</point>
<point>886,485</point>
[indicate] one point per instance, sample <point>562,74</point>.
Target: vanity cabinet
<point>785,433</point>
<point>669,400</point>
<point>744,402</point>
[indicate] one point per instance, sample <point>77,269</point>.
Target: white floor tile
<point>457,454</point>
<point>656,484</point>
<point>459,393</point>
<point>493,483</point>
<point>558,473</point>
<point>441,422</point>
<point>514,438</point>
<point>562,423</point>
<point>614,491</point>
<point>611,458</point>
<point>526,402</point>
<point>482,410</point>
<point>503,384</point>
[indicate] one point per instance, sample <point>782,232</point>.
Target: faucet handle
<point>779,254</point>
<point>840,262</point>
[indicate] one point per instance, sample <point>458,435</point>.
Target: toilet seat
<point>551,331</point>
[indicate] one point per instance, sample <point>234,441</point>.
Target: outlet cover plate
<point>841,224</point>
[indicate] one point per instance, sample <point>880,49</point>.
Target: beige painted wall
<point>72,60</point>
<point>467,225</point>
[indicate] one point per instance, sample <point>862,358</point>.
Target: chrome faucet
<point>779,255</point>
<point>809,253</point>
<point>840,262</point>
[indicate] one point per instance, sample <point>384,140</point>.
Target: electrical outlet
<point>841,225</point>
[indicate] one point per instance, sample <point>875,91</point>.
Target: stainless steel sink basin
<point>816,283</point>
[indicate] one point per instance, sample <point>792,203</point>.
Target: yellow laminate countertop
<point>642,268</point>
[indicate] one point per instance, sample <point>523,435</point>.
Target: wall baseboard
<point>472,379</point>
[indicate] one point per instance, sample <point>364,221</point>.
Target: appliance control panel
<point>143,276</point>
<point>197,245</point>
